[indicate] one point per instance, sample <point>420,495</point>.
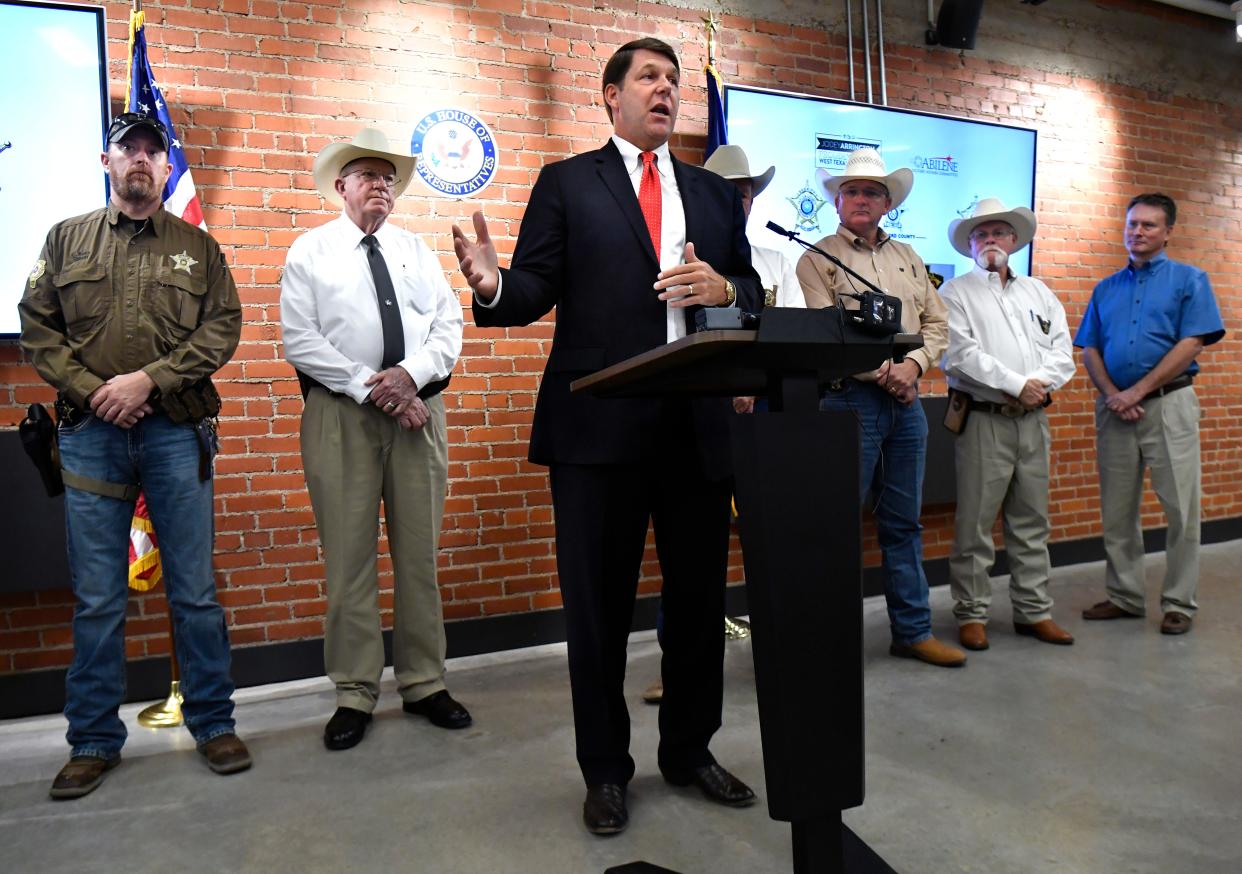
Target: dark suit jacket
<point>584,248</point>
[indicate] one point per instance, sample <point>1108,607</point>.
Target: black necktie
<point>390,312</point>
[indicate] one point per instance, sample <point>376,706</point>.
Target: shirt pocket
<point>85,296</point>
<point>177,300</point>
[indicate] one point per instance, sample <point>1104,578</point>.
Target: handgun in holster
<point>38,435</point>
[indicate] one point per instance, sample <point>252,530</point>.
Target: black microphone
<point>879,312</point>
<point>773,226</point>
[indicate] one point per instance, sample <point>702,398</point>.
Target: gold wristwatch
<point>730,293</point>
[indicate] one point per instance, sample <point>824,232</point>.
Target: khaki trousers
<point>354,456</point>
<point>1166,440</point>
<point>1002,465</point>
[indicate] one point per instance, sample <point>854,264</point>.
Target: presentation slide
<point>52,116</point>
<point>955,163</point>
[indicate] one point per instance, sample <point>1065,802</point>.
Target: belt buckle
<point>836,385</point>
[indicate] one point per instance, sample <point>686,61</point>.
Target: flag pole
<point>166,713</point>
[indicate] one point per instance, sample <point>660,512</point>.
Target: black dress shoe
<point>346,728</point>
<point>717,784</point>
<point>441,709</point>
<point>604,809</point>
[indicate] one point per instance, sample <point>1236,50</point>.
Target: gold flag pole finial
<point>712,23</point>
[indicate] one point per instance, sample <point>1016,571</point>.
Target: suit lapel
<point>687,185</point>
<point>611,170</point>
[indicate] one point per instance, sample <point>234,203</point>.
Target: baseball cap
<point>127,121</point>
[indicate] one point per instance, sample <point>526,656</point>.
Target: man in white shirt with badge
<point>1009,349</point>
<point>374,330</point>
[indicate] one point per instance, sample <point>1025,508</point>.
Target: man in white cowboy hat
<point>374,331</point>
<point>886,401</point>
<point>1009,349</point>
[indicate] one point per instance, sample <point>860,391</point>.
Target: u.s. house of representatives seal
<point>456,152</point>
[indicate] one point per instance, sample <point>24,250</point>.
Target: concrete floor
<point>1119,754</point>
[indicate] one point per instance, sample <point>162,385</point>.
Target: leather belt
<point>1170,386</point>
<point>1005,410</point>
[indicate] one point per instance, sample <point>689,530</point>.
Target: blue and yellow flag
<point>717,133</point>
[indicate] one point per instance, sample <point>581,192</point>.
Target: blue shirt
<point>1139,313</point>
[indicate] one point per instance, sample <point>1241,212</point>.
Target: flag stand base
<point>165,714</point>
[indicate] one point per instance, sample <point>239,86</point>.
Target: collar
<point>857,242</point>
<point>352,234</point>
<point>986,275</point>
<point>155,220</point>
<point>630,155</point>
<point>1153,264</point>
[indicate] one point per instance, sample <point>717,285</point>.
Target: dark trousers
<point>602,514</point>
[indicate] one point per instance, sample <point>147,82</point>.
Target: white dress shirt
<point>329,313</point>
<point>672,219</point>
<point>997,338</point>
<point>777,274</point>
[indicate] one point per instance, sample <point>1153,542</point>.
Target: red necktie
<point>649,199</point>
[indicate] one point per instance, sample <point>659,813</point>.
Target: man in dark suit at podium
<point>628,243</point>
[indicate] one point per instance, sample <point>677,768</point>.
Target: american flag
<point>180,198</point>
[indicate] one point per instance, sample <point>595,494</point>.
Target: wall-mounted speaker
<point>957,24</point>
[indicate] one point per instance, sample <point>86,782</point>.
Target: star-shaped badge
<point>182,261</point>
<point>807,204</point>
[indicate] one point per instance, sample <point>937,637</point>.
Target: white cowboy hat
<point>990,209</point>
<point>730,162</point>
<point>367,143</point>
<point>866,163</point>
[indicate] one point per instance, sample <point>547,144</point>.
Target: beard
<point>993,259</point>
<point>136,187</point>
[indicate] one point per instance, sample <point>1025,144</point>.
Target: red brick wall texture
<point>257,87</point>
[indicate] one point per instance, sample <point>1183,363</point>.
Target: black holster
<point>38,435</point>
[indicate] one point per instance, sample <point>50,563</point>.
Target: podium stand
<point>797,488</point>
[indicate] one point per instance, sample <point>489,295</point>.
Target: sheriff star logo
<point>182,261</point>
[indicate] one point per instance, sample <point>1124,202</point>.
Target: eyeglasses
<point>374,177</point>
<point>869,192</point>
<point>995,234</point>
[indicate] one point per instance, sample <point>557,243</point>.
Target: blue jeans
<point>164,458</point>
<point>893,440</point>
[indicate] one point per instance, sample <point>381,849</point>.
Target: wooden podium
<point>797,488</point>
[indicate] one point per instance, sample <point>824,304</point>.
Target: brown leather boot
<point>81,775</point>
<point>931,651</point>
<point>973,635</point>
<point>1047,631</point>
<point>1108,610</point>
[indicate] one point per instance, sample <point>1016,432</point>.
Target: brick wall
<point>258,87</point>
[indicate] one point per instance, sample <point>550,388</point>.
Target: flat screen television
<point>53,114</point>
<point>955,161</point>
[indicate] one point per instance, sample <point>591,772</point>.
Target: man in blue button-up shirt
<point>1140,336</point>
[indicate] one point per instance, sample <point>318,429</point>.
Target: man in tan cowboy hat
<point>374,331</point>
<point>776,271</point>
<point>1009,349</point>
<point>886,401</point>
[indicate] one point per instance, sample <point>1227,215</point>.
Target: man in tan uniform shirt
<point>886,401</point>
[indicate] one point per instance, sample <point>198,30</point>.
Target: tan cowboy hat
<point>867,164</point>
<point>367,143</point>
<point>990,209</point>
<point>730,162</point>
